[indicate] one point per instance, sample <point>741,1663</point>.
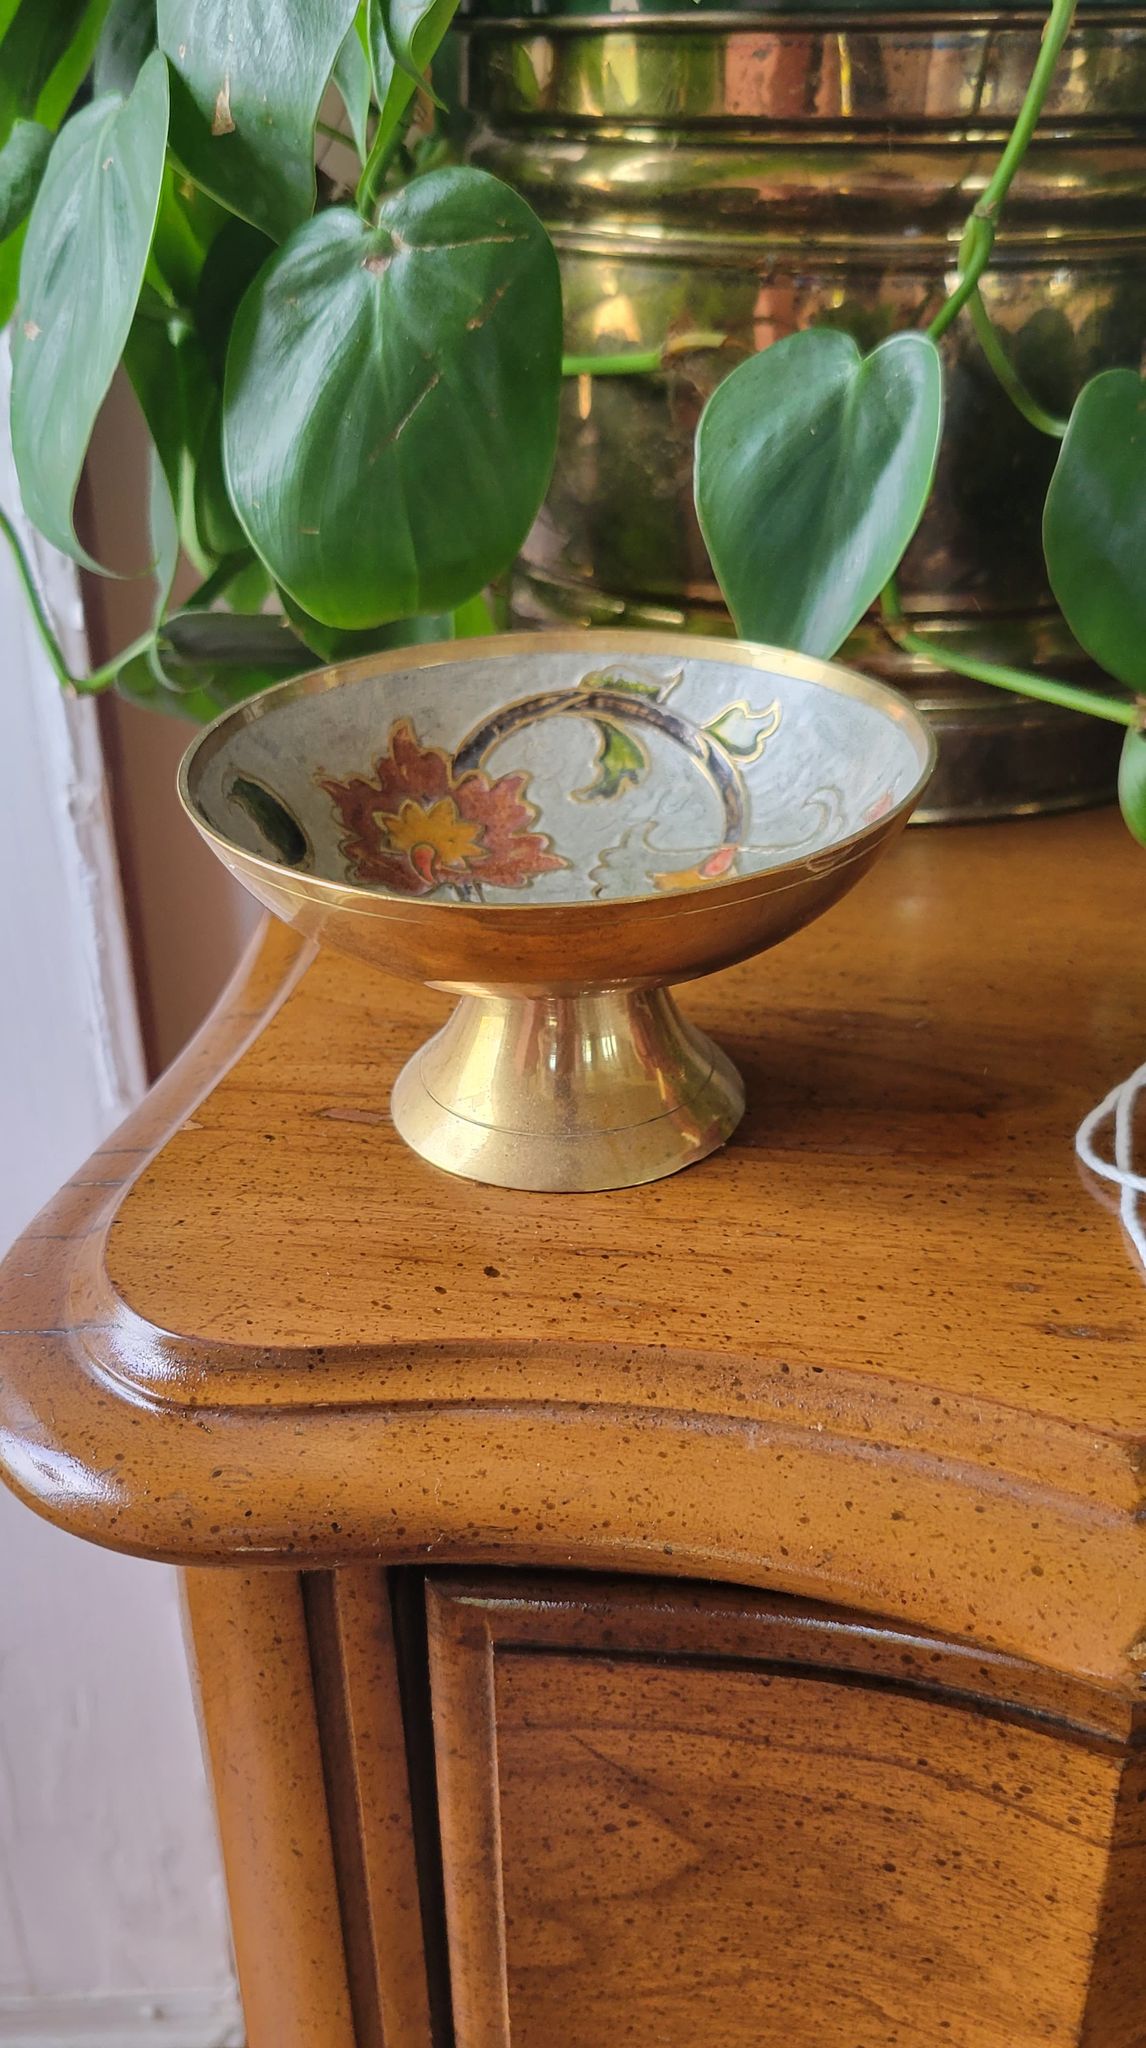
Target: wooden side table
<point>712,1614</point>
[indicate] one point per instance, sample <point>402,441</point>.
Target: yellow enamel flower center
<point>453,839</point>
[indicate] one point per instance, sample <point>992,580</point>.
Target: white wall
<point>112,1917</point>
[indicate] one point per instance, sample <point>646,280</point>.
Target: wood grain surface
<point>299,1697</point>
<point>262,1736</point>
<point>885,1350</point>
<point>672,1818</point>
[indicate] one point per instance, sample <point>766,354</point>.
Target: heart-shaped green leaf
<point>197,646</point>
<point>207,661</point>
<point>10,253</point>
<point>163,529</point>
<point>218,528</point>
<point>391,400</point>
<point>45,52</point>
<point>67,76</point>
<point>81,276</point>
<point>233,262</point>
<point>473,620</point>
<point>139,684</point>
<point>126,41</point>
<point>187,226</point>
<point>249,77</point>
<point>1094,524</point>
<point>1132,784</point>
<point>35,43</point>
<point>329,643</point>
<point>352,77</point>
<point>23,161</point>
<point>404,35</point>
<point>813,466</point>
<point>171,380</point>
<point>249,587</point>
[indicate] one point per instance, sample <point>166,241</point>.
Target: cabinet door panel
<point>681,1820</point>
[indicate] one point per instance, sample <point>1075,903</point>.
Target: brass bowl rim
<point>749,654</point>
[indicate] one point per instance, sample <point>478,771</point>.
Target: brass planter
<point>756,173</point>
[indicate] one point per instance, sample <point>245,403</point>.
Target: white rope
<point>1121,1104</point>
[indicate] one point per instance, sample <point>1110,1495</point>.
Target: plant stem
<point>43,624</point>
<point>641,362</point>
<point>979,232</point>
<point>100,678</point>
<point>223,574</point>
<point>335,134</point>
<point>1007,374</point>
<point>378,160</point>
<point>1044,688</point>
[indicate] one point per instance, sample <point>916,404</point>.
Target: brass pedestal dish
<point>556,828</point>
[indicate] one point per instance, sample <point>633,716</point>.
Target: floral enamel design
<point>423,820</point>
<point>416,824</point>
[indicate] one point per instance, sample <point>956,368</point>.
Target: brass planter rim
<point>755,655</point>
<point>826,20</point>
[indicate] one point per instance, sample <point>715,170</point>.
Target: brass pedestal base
<point>567,1094</point>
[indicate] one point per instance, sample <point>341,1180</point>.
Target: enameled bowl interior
<point>509,772</point>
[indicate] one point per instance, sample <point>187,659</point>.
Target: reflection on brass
<point>568,1093</point>
<point>754,174</point>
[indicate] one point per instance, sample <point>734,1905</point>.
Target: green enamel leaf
<point>744,733</point>
<point>87,246</point>
<point>1132,784</point>
<point>270,815</point>
<point>391,400</point>
<point>404,36</point>
<point>249,77</point>
<point>23,161</point>
<point>1094,524</point>
<point>813,467</point>
<point>615,679</point>
<point>621,761</point>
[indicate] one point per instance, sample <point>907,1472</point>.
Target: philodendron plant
<point>351,370</point>
<point>350,377</point>
<point>814,465</point>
